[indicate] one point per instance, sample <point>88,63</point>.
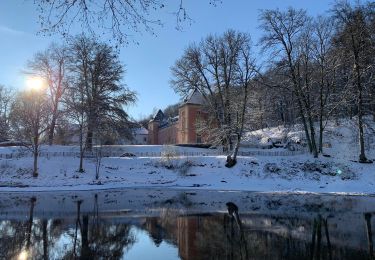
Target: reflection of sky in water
<point>145,248</point>
<point>62,244</point>
<point>274,224</point>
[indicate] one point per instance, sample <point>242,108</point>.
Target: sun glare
<point>35,83</point>
<point>23,255</point>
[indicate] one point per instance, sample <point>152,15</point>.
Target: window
<point>199,139</point>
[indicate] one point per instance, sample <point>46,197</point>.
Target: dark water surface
<point>185,224</point>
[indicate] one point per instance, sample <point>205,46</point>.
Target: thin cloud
<point>8,30</point>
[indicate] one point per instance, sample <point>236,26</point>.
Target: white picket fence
<point>153,154</point>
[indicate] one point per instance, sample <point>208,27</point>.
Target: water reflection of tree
<point>216,239</point>
<point>221,238</point>
<point>209,236</point>
<point>16,235</point>
<point>316,239</point>
<point>369,235</point>
<point>29,238</point>
<point>95,239</point>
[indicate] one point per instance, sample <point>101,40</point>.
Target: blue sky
<point>147,63</point>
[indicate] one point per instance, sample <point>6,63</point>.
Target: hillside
<point>340,138</point>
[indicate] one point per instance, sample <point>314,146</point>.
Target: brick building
<point>181,129</point>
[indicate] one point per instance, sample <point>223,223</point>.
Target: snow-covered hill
<point>340,139</point>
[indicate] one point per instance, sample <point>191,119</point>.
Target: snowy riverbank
<point>270,174</point>
<point>268,170</point>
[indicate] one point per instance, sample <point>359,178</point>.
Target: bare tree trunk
<point>89,137</point>
<point>312,139</point>
<point>321,118</point>
<point>36,154</point>
<point>369,235</point>
<point>305,127</point>
<point>51,130</point>
<point>232,159</point>
<point>362,155</point>
<point>81,150</point>
<point>320,135</point>
<point>98,161</point>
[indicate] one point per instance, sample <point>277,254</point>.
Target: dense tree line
<point>319,68</point>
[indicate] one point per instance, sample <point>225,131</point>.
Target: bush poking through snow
<point>169,156</point>
<point>170,159</point>
<point>179,165</point>
<point>343,171</point>
<point>184,167</point>
<point>271,168</point>
<point>169,152</point>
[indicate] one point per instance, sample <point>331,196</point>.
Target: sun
<point>35,83</point>
<point>23,255</point>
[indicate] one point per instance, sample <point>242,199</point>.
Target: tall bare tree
<point>326,61</point>
<point>357,48</point>
<point>221,69</point>
<point>76,112</point>
<point>287,37</point>
<point>51,66</point>
<point>98,71</point>
<point>29,117</point>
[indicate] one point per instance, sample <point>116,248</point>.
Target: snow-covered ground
<point>300,173</point>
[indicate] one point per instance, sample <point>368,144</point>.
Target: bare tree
<point>76,112</point>
<point>6,100</point>
<point>325,76</point>
<point>357,48</point>
<point>221,69</point>
<point>30,117</point>
<point>117,19</point>
<point>98,158</point>
<point>51,66</point>
<point>97,69</point>
<point>287,37</point>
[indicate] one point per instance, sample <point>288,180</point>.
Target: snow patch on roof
<point>194,97</point>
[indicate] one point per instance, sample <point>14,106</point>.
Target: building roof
<point>195,97</point>
<point>159,116</point>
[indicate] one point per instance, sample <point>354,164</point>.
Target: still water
<point>185,224</point>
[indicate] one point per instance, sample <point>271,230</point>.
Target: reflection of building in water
<point>183,231</point>
<point>187,230</point>
<point>155,230</point>
<point>265,237</point>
